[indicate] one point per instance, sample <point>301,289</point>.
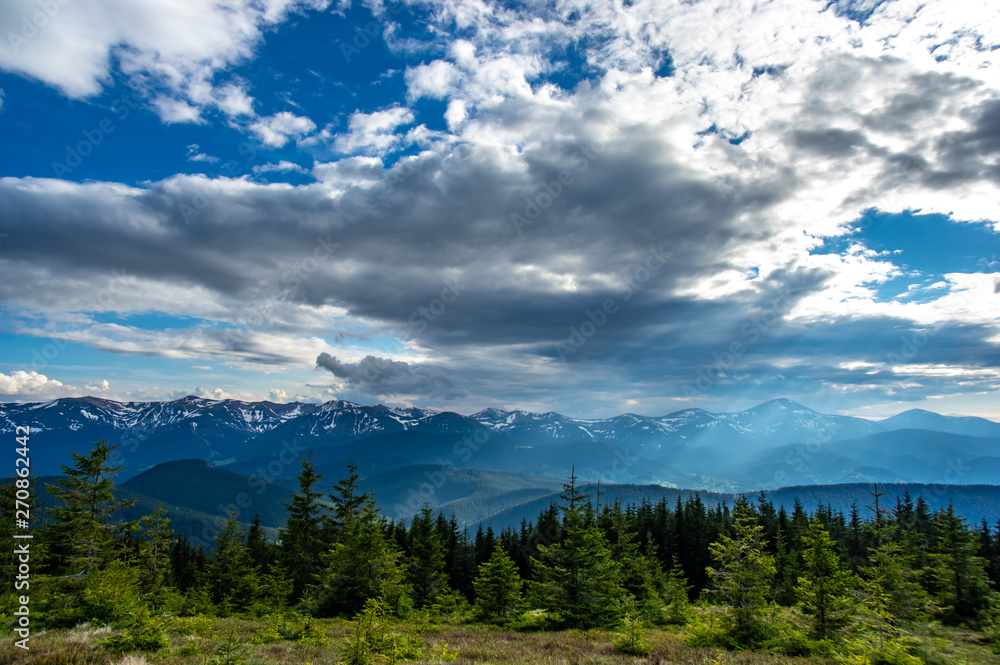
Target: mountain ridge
<point>689,447</point>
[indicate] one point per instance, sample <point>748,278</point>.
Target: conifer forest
<point>587,581</point>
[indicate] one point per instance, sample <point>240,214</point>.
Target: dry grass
<point>474,645</point>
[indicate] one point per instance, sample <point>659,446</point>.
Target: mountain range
<point>778,441</point>
<point>485,465</point>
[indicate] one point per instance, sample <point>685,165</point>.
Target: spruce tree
<point>959,582</point>
<point>578,580</point>
<point>152,557</point>
<point>498,588</point>
<point>642,577</point>
<point>742,578</point>
<point>677,603</point>
<point>302,537</point>
<point>889,599</point>
<point>80,526</point>
<point>426,569</point>
<point>823,590</point>
<point>232,576</point>
<point>363,563</point>
<point>187,564</point>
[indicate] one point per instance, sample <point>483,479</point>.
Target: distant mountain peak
<point>780,403</point>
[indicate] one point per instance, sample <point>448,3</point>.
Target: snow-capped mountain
<point>229,431</point>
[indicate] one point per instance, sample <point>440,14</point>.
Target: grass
<point>232,642</point>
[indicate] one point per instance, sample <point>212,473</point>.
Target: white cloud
<point>456,114</point>
<point>782,121</point>
<point>283,166</point>
<point>193,155</point>
<point>373,132</point>
<point>233,100</point>
<point>217,393</point>
<point>21,383</point>
<point>276,130</point>
<point>176,110</point>
<point>101,387</point>
<point>277,395</point>
<point>175,46</point>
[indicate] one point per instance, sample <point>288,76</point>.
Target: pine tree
<point>232,576</point>
<point>363,563</point>
<point>302,537</point>
<point>498,588</point>
<point>426,569</point>
<point>642,577</point>
<point>578,579</point>
<point>823,590</point>
<point>788,567</point>
<point>153,552</point>
<point>80,525</point>
<point>347,502</point>
<point>959,581</point>
<point>677,609</point>
<point>187,564</point>
<point>742,578</point>
<point>888,594</point>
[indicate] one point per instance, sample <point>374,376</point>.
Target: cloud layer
<point>619,204</point>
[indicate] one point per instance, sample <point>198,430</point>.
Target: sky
<point>585,207</point>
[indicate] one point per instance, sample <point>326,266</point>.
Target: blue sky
<point>591,208</point>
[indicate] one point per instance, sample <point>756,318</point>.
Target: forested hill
<point>862,583</point>
<point>198,496</point>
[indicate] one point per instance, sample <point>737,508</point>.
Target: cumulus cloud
<point>21,383</point>
<point>282,166</point>
<point>170,49</point>
<point>278,129</point>
<point>194,155</point>
<point>373,132</point>
<point>384,377</point>
<point>217,393</point>
<point>733,142</point>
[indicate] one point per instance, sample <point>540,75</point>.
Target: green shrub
<point>196,625</point>
<point>889,652</point>
<point>533,620</point>
<point>373,640</point>
<point>310,632</point>
<point>630,640</point>
<point>143,634</point>
<point>228,653</point>
<point>189,649</point>
<point>442,653</point>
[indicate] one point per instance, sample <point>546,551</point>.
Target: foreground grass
<point>232,642</point>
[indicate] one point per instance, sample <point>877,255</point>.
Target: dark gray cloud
<point>579,247</point>
<point>382,377</point>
